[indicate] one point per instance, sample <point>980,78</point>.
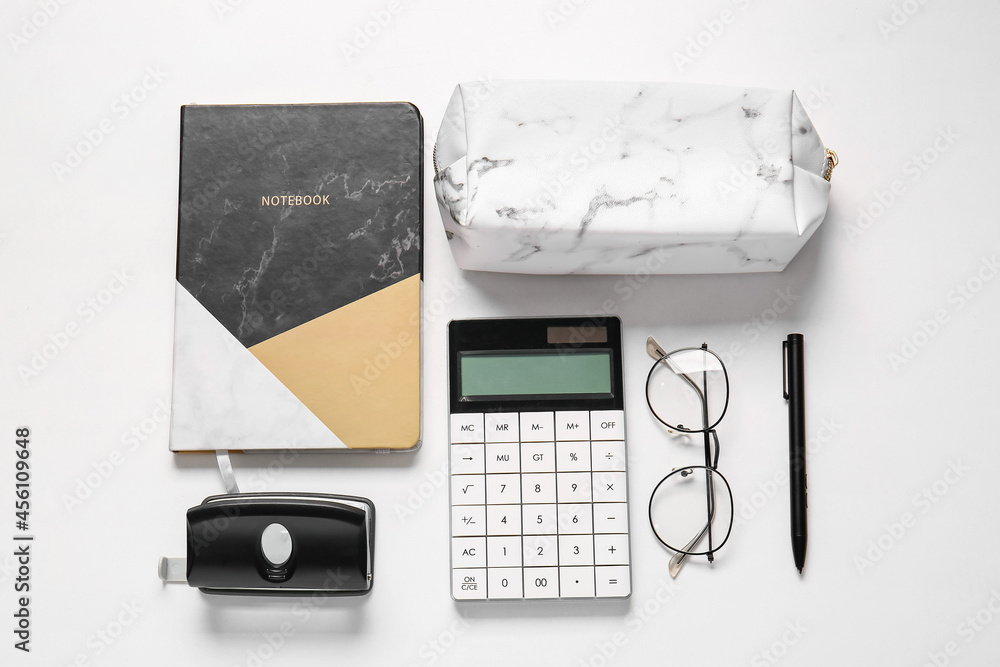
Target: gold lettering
<point>294,200</point>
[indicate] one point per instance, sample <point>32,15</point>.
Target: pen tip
<point>800,570</point>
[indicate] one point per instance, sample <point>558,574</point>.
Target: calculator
<point>539,502</point>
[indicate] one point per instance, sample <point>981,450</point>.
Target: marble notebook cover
<point>297,320</point>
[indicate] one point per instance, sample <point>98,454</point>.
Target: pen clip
<point>784,369</point>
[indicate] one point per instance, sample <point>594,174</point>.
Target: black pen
<point>794,392</point>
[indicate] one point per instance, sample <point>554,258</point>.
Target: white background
<point>873,593</point>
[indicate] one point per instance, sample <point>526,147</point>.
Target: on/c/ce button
<point>468,584</point>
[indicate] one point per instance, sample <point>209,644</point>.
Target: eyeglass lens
<point>688,390</point>
<point>683,506</point>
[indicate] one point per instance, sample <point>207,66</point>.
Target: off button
<point>468,583</point>
<point>607,425</point>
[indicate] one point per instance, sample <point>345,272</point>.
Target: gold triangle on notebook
<point>357,368</point>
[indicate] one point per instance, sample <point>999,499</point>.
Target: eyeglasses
<point>691,509</point>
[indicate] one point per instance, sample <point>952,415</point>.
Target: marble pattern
<point>262,270</point>
<point>225,398</point>
<point>564,177</point>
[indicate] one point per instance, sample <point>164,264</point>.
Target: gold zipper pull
<point>831,162</point>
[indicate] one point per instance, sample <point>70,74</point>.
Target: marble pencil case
<point>585,177</point>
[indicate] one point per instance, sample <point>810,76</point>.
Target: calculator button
<point>571,456</point>
<point>468,552</point>
<point>540,550</point>
<point>503,489</point>
<point>503,520</point>
<point>608,455</point>
<point>609,487</point>
<point>573,487</point>
<point>467,427</point>
<point>606,425</point>
<point>504,582</point>
<point>610,518</point>
<point>539,519</point>
<point>576,549</point>
<point>501,427</point>
<point>503,457</point>
<point>538,457</point>
<point>538,487</point>
<point>468,584</point>
<point>576,582</point>
<point>613,581</point>
<point>468,520</point>
<point>575,519</point>
<point>539,505</point>
<point>503,551</point>
<point>541,582</point>
<point>611,549</point>
<point>467,459</point>
<point>573,425</point>
<point>468,489</point>
<point>536,427</point>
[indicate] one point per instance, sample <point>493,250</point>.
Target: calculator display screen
<point>542,373</point>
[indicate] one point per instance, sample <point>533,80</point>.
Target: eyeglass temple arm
<point>655,350</point>
<point>677,560</point>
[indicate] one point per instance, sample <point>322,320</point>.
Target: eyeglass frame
<point>711,463</point>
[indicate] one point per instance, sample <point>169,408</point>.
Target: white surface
<point>886,442</point>
<point>557,177</point>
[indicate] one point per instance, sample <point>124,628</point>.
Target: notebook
<point>299,251</point>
